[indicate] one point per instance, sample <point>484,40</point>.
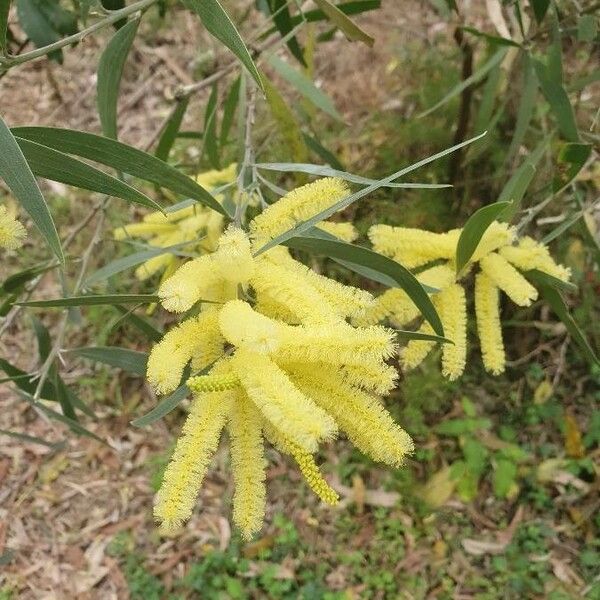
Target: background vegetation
<point>500,499</point>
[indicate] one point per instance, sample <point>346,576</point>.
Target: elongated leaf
<point>345,202</point>
<point>122,358</point>
<point>51,164</point>
<point>110,70</point>
<point>140,323</point>
<point>218,23</point>
<point>587,28</point>
<point>120,157</point>
<point>338,18</point>
<point>540,8</point>
<point>365,257</point>
<point>558,100</point>
<point>283,21</point>
<point>541,278</point>
<point>229,107</point>
<point>165,407</point>
<point>18,177</point>
<point>570,160</point>
<point>305,86</point>
<point>4,8</point>
<point>329,157</point>
<point>556,302</point>
<point>131,260</point>
<point>24,437</point>
<point>473,231</point>
<point>210,140</point>
<point>26,381</point>
<point>477,76</point>
<point>494,39</point>
<point>92,300</point>
<point>324,171</point>
<point>417,335</point>
<point>171,130</point>
<point>15,282</point>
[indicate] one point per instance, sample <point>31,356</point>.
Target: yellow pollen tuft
<point>12,231</point>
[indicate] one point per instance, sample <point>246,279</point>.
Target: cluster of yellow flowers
<point>198,225</point>
<point>500,258</point>
<point>12,232</point>
<point>283,363</point>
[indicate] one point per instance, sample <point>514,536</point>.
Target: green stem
<point>10,61</point>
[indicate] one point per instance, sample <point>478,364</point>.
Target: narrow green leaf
<point>540,8</point>
<point>541,278</point>
<point>305,86</point>
<point>473,231</point>
<point>92,300</point>
<point>556,302</point>
<point>4,8</point>
<point>51,164</point>
<point>121,157</point>
<point>494,39</point>
<point>171,130</point>
<point>210,141</point>
<point>165,407</point>
<point>62,394</point>
<point>350,29</point>
<point>587,28</point>
<point>229,108</point>
<point>122,358</point>
<point>570,160</point>
<point>558,100</point>
<point>18,177</point>
<point>283,22</point>
<point>218,23</point>
<point>324,171</point>
<point>350,199</point>
<point>488,99</point>
<point>477,76</point>
<point>15,282</point>
<point>365,257</point>
<point>417,335</point>
<point>26,381</point>
<point>143,325</point>
<point>329,157</point>
<point>110,70</point>
<point>24,437</point>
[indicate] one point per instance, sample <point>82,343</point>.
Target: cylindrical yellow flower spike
<point>488,324</point>
<point>233,258</point>
<point>452,306</point>
<point>496,236</point>
<point>413,247</point>
<point>242,326</point>
<point>361,415</point>
<point>344,231</point>
<point>183,476</point>
<point>508,279</point>
<point>216,178</point>
<point>12,232</point>
<point>198,338</point>
<point>291,291</point>
<point>213,383</point>
<point>306,463</point>
<point>296,206</point>
<point>530,254</point>
<point>143,230</point>
<point>296,416</point>
<point>416,351</point>
<point>248,464</point>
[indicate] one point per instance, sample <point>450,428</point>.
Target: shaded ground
<point>75,522</point>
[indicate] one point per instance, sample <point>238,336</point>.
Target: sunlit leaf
<point>352,31</point>
<point>122,358</point>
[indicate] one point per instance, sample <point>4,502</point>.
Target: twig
<point>248,156</point>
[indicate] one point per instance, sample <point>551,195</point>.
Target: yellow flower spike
<point>295,415</point>
<point>143,230</point>
<point>306,463</point>
<point>293,292</point>
<point>183,476</point>
<point>345,300</point>
<point>12,231</point>
<point>530,254</point>
<point>194,281</point>
<point>452,306</point>
<point>233,257</point>
<point>242,326</point>
<point>274,310</point>
<point>213,383</point>
<point>413,247</point>
<point>487,311</point>
<point>361,415</point>
<point>416,351</point>
<point>344,231</point>
<point>216,178</point>
<point>337,344</point>
<point>197,338</point>
<point>508,279</point>
<point>296,206</point>
<point>248,464</point>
